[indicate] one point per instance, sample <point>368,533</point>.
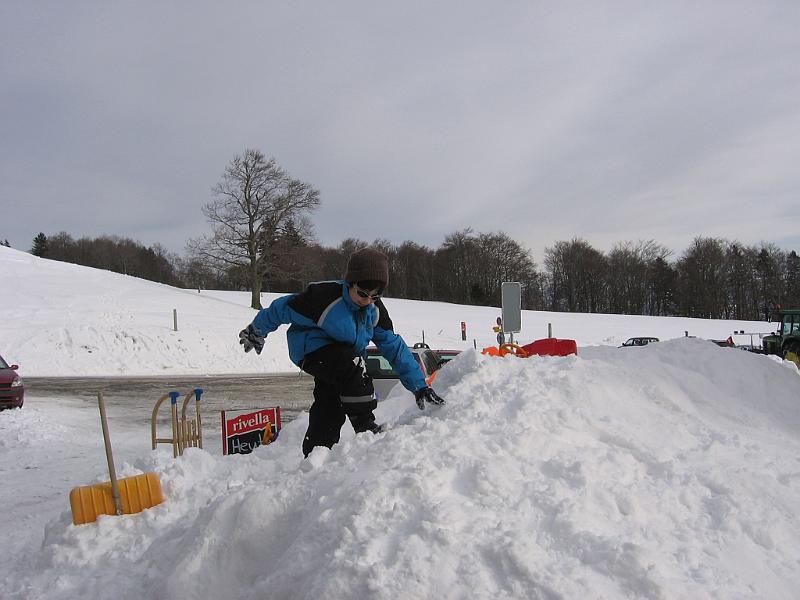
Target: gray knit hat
<point>368,264</point>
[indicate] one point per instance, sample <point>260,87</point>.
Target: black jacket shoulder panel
<point>316,298</point>
<point>384,321</point>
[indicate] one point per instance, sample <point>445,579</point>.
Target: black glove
<point>427,394</point>
<point>250,339</point>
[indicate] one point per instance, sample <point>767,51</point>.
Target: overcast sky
<point>609,121</point>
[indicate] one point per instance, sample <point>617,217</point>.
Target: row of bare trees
<point>728,280</point>
<point>467,268</point>
<point>713,278</point>
<point>112,253</point>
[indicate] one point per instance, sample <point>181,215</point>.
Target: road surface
<point>131,399</point>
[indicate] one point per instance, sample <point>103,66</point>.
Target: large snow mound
<point>669,471</point>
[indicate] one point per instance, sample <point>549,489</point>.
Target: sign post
<point>498,329</point>
<point>511,293</point>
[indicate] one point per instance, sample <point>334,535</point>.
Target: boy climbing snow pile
<point>331,324</point>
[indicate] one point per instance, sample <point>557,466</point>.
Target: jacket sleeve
<point>394,348</point>
<point>279,313</point>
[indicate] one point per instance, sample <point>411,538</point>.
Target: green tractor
<point>786,341</point>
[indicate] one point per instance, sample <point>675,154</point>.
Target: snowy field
<point>669,471</point>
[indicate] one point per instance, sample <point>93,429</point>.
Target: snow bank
<point>668,471</point>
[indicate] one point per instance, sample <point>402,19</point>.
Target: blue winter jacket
<point>325,314</point>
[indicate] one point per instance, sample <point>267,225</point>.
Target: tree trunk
<point>255,286</point>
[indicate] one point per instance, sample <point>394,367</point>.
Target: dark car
<point>11,389</point>
<point>446,356</point>
<point>383,375</point>
<point>639,341</point>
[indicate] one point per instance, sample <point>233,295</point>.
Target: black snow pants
<point>341,389</point>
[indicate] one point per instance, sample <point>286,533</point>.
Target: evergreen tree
<point>39,245</point>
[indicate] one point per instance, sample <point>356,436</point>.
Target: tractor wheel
<point>792,353</point>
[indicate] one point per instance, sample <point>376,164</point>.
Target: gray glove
<point>427,394</point>
<point>250,339</point>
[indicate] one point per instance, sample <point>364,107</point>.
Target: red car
<point>12,391</point>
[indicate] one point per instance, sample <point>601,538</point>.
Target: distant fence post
<point>549,330</point>
<point>175,318</point>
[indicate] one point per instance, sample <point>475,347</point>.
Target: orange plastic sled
<point>505,349</point>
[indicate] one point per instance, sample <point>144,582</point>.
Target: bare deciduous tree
<point>577,275</point>
<point>629,275</point>
<point>792,297</point>
<point>254,203</point>
<point>414,272</point>
<point>701,279</point>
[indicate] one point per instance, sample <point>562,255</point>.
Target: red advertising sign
<point>245,430</point>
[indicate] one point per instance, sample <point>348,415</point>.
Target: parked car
<point>12,391</point>
<point>383,375</point>
<point>446,356</point>
<point>639,341</point>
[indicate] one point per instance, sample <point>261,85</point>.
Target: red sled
<point>551,347</point>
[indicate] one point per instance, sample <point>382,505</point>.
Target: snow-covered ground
<point>669,471</point>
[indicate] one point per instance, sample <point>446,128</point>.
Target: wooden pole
<point>109,454</point>
<point>175,433</point>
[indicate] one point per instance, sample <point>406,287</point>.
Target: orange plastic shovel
<point>116,497</point>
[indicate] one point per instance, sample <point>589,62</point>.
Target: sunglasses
<point>365,294</point>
